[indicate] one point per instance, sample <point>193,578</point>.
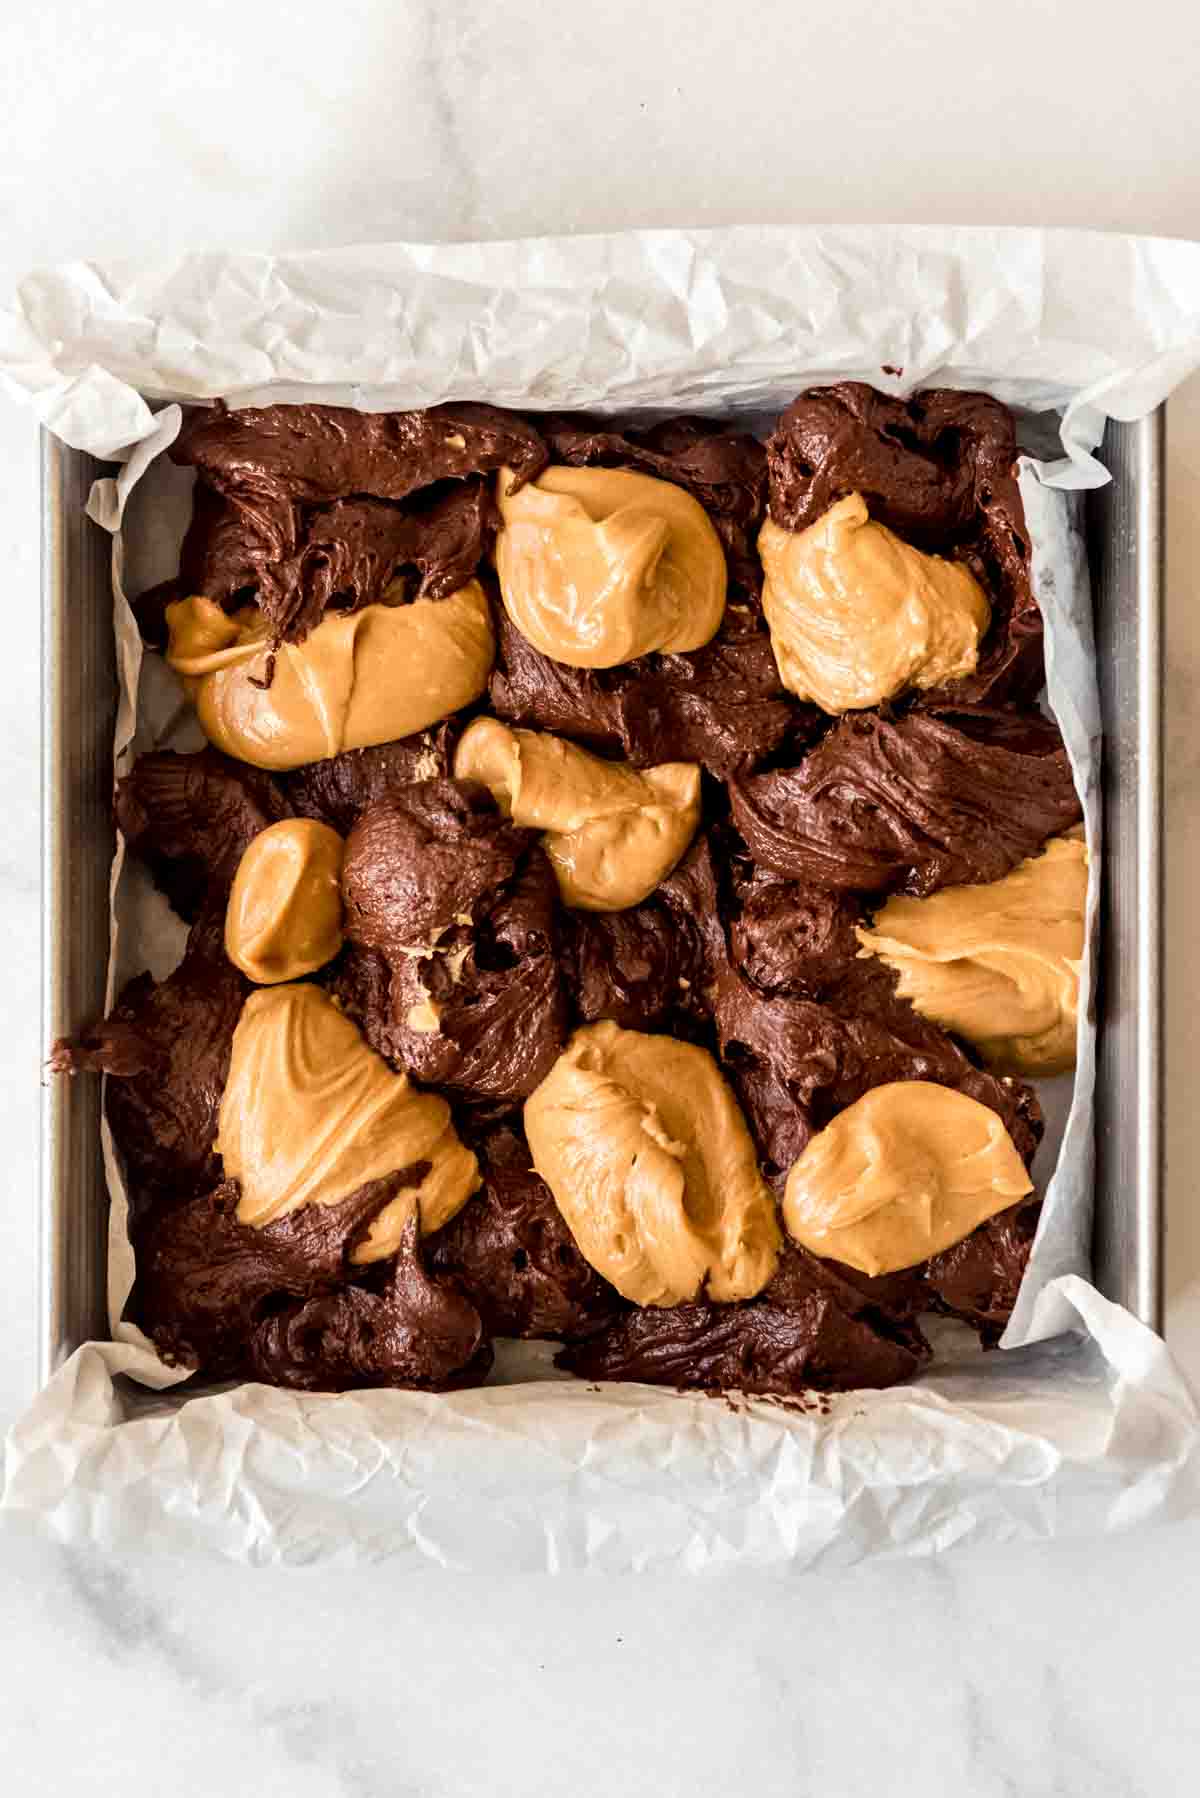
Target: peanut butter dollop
<point>906,1171</point>
<point>284,917</point>
<point>612,832</point>
<point>649,1160</point>
<point>358,678</point>
<point>310,1114</point>
<point>998,963</point>
<point>856,615</point>
<point>600,565</point>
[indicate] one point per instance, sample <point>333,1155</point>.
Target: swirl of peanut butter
<point>358,678</point>
<point>612,832</point>
<point>284,917</point>
<point>903,1173</point>
<point>998,963</point>
<point>649,1160</point>
<point>856,615</point>
<point>310,1114</point>
<point>599,565</point>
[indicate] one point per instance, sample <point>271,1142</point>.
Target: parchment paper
<point>1091,1430</point>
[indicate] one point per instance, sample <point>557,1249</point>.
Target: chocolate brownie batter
<point>463,967</point>
<point>300,507</point>
<point>634,967</point>
<point>346,554</point>
<point>167,1046</point>
<point>510,1250</point>
<point>909,804</point>
<point>723,706</point>
<point>431,858</point>
<point>529,689</point>
<point>270,457</point>
<point>785,937</point>
<point>978,1279</point>
<point>941,471</point>
<point>282,1303</point>
<point>190,818</point>
<point>756,1347</point>
<point>816,1324</point>
<point>460,909</point>
<point>404,1329</point>
<point>336,791</point>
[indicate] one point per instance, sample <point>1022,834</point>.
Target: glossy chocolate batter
<point>978,1279</point>
<point>403,1329</point>
<point>458,909</point>
<point>337,790</point>
<point>345,554</point>
<point>512,1253</point>
<point>190,818</point>
<point>463,967</point>
<point>723,706</point>
<point>785,937</point>
<point>528,689</point>
<point>632,966</point>
<point>268,456</point>
<point>283,1304</point>
<point>167,1046</point>
<point>907,804</point>
<point>301,507</point>
<point>757,1347</point>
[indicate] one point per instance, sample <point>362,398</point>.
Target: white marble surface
<point>1066,1670</point>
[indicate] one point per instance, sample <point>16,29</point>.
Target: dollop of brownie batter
<point>301,507</point>
<point>512,1253</point>
<point>634,967</point>
<point>167,1046</point>
<point>528,688</point>
<point>757,1347</point>
<point>404,1329</point>
<point>909,804</point>
<point>338,789</point>
<point>978,1278</point>
<point>785,937</point>
<point>892,1302</point>
<point>274,455</point>
<point>420,863</point>
<point>282,1304</point>
<point>941,471</point>
<point>723,706</point>
<point>190,818</point>
<point>346,554</point>
<point>460,909</point>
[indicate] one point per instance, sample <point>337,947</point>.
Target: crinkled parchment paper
<point>1081,1423</point>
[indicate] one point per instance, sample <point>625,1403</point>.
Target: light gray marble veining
<point>1037,1674</point>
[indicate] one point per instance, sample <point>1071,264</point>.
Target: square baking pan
<point>1125,547</point>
